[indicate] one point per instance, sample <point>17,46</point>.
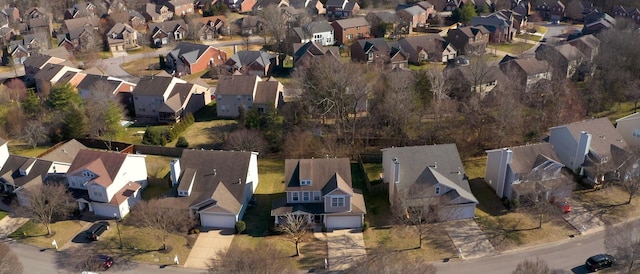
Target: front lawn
<point>436,246</point>
<point>608,204</point>
<point>531,37</point>
<point>34,234</point>
<point>141,244</point>
<point>3,214</point>
<point>146,66</point>
<point>373,170</point>
<point>513,48</point>
<point>313,251</point>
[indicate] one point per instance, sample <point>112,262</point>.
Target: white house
<point>419,173</point>
<point>216,186</point>
<point>586,143</point>
<point>107,183</point>
<point>629,129</point>
<point>319,32</point>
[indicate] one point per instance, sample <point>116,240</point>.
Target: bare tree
<point>262,258</point>
<point>532,267</point>
<point>246,140</point>
<point>9,262</point>
<point>420,214</point>
<point>384,261</point>
<point>104,112</point>
<point>274,26</point>
<point>542,194</point>
<point>623,242</point>
<point>295,227</point>
<point>162,216</point>
<point>629,175</point>
<point>46,203</point>
<point>34,133</point>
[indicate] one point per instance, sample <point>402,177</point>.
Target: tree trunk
<point>420,241</point>
<point>48,226</point>
<point>297,249</point>
<point>540,221</point>
<point>630,197</point>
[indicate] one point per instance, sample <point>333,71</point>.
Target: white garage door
<point>217,220</point>
<point>337,222</point>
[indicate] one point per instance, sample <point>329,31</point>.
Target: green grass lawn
<point>530,37</point>
<point>513,48</point>
<point>142,244</point>
<point>3,214</point>
<point>475,167</point>
<point>35,234</point>
<point>617,111</point>
<point>541,29</point>
<point>18,148</point>
<point>373,171</point>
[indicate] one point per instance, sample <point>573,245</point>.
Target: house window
<point>306,196</point>
<point>305,182</point>
<point>89,174</point>
<point>437,190</point>
<point>295,196</point>
<point>349,36</point>
<point>337,201</point>
<point>636,133</point>
<point>316,196</point>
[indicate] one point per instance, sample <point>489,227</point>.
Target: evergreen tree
<point>61,97</point>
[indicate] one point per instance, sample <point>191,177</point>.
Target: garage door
<point>217,220</point>
<point>337,222</point>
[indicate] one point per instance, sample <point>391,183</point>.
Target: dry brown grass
<point>312,251</point>
<point>608,204</point>
<point>437,246</point>
<point>241,46</point>
<point>34,234</point>
<point>140,67</point>
<point>208,134</point>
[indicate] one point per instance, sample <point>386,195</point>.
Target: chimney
<point>175,171</point>
<point>215,172</point>
<point>396,170</point>
<point>235,49</point>
<point>582,150</point>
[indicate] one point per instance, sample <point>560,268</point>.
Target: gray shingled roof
<point>246,57</point>
<point>237,85</point>
<point>525,157</point>
<point>152,85</point>
<point>91,81</point>
<point>10,172</point>
<point>189,51</point>
<point>603,134</point>
<point>48,72</point>
<point>63,152</point>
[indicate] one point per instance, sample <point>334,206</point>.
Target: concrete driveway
<point>469,239</point>
<point>581,218</point>
<point>345,247</point>
<point>10,224</point>
<point>207,246</point>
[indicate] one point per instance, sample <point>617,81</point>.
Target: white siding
<point>4,153</point>
<point>339,222</point>
<point>565,145</point>
<point>217,220</point>
<point>626,126</point>
<point>104,209</point>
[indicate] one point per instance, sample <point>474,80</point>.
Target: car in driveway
<point>600,261</point>
<point>96,230</point>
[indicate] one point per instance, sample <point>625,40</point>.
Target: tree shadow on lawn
<point>489,201</point>
<point>217,135</point>
<point>258,218</point>
<point>602,207</point>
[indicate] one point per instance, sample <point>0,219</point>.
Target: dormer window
<point>305,182</point>
<point>89,174</point>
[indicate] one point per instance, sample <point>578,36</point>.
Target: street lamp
<point>115,217</point>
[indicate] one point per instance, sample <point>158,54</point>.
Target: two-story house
<point>215,186</point>
<point>551,10</point>
<point>246,91</point>
<point>576,9</point>
<point>122,37</point>
<point>565,59</point>
<point>379,52</point>
<point>419,176</point>
<point>629,129</point>
<point>178,7</point>
<point>387,18</point>
<point>321,189</point>
<point>252,62</point>
<point>427,48</point>
<point>348,30</point>
<point>585,147</point>
<point>414,16</point>
<point>164,32</point>
<point>211,27</point>
<point>319,32</point>
<point>311,6</point>
<point>81,34</point>
<point>469,40</point>
<point>49,75</point>
<point>340,9</point>
<point>168,99</point>
<point>156,13</point>
<point>516,171</point>
<point>526,72</point>
<point>305,54</point>
<point>499,24</point>
<point>189,58</point>
<point>632,13</point>
<point>106,183</point>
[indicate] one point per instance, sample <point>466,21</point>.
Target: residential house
<point>122,37</point>
<point>211,27</point>
<point>166,32</point>
<point>595,22</point>
<point>189,58</point>
<point>85,9</point>
<point>32,43</point>
<point>320,32</point>
<point>521,6</point>
<point>240,6</point>
<point>36,62</point>
<point>36,20</point>
<point>107,183</point>
<point>551,11</point>
<point>168,99</point>
<point>132,18</point>
<point>379,52</point>
<point>565,59</point>
<point>398,26</point>
<point>341,9</point>
<point>526,72</point>
<point>499,25</point>
<point>469,40</point>
<point>252,62</point>
<point>526,170</point>
<point>414,16</point>
<point>427,48</point>
<point>156,13</point>
<point>314,7</point>
<point>9,16</point>
<point>81,34</point>
<point>589,45</point>
<point>88,84</point>
<point>464,81</point>
<point>349,30</point>
<point>62,155</point>
<point>251,25</point>
<point>321,190</point>
<point>260,4</point>
<point>418,176</point>
<point>304,54</point>
<point>246,91</point>
<point>49,75</point>
<point>576,9</point>
<point>519,21</point>
<point>585,147</point>
<point>632,13</point>
<point>629,129</point>
<point>446,5</point>
<point>178,7</point>
<point>18,53</point>
<point>216,187</point>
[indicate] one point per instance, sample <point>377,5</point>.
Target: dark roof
<point>48,72</point>
<point>326,174</point>
<point>524,158</point>
<point>352,22</point>
<point>237,85</point>
<point>267,92</point>
<point>189,51</point>
<point>246,57</point>
<point>167,26</point>
<point>603,134</point>
<point>78,25</point>
<point>178,96</point>
<point>36,60</point>
<point>10,172</point>
<point>152,85</point>
<point>91,81</point>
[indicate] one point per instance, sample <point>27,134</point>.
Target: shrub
<point>182,142</point>
<point>365,226</point>
<point>240,227</point>
<point>154,136</point>
<point>194,231</point>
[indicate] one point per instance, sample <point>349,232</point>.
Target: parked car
<point>600,261</point>
<point>563,205</point>
<point>94,232</point>
<point>99,262</point>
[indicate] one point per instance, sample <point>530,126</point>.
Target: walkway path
<point>469,239</point>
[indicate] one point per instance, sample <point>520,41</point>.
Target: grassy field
<point>609,204</point>
<point>617,111</point>
<point>437,245</point>
<point>475,167</point>
<point>35,234</point>
<point>141,67</point>
<point>3,214</point>
<point>513,48</point>
<point>142,244</point>
<point>19,148</point>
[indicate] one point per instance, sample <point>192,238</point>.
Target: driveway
<point>207,246</point>
<point>469,239</point>
<point>345,247</point>
<point>582,219</point>
<point>10,224</point>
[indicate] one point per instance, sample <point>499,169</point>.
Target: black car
<point>94,232</point>
<point>600,261</point>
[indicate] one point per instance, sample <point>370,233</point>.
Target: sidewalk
<point>10,224</point>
